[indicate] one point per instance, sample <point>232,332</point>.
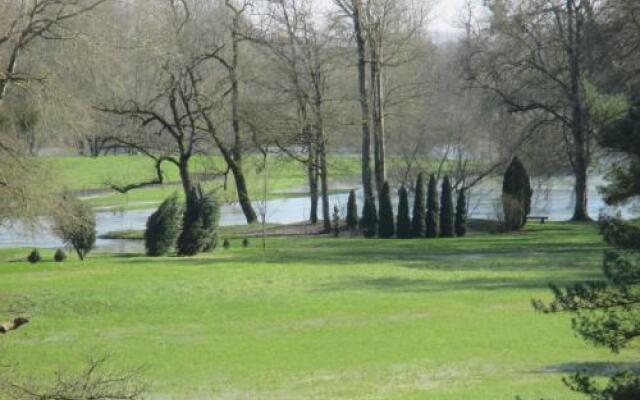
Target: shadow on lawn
<point>592,368</point>
<point>403,285</point>
<point>415,256</point>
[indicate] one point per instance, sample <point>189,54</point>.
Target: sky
<point>444,16</point>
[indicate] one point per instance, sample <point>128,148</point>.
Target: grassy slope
<point>90,174</point>
<point>319,317</point>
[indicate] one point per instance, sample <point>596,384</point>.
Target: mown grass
<point>285,177</point>
<point>91,176</point>
<point>319,317</point>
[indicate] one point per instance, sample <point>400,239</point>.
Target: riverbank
<point>318,317</point>
<point>90,178</point>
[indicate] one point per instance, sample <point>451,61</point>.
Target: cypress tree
<point>199,224</point>
<point>403,230</point>
<point>336,221</point>
<point>418,227</point>
<point>432,208</point>
<point>386,226</point>
<point>516,195</point>
<point>352,212</point>
<point>461,214</point>
<point>189,241</point>
<point>163,227</point>
<point>369,218</point>
<point>446,210</point>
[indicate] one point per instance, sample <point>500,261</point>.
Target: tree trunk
<point>238,147</point>
<point>364,101</point>
<point>243,194</point>
<point>322,164</point>
<point>185,177</point>
<point>581,212</point>
<point>378,113</point>
<point>312,171</point>
<point>579,121</point>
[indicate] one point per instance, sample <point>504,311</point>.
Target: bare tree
<point>536,58</point>
<point>234,154</point>
<point>184,114</point>
<point>95,382</point>
<point>26,22</point>
<point>22,25</point>
<point>300,50</point>
<point>354,10</point>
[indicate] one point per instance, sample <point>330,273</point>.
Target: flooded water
<point>552,198</point>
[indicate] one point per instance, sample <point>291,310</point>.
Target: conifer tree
<point>336,221</point>
<point>516,195</point>
<point>403,230</point>
<point>369,218</point>
<point>446,210</point>
<point>432,208</point>
<point>386,225</point>
<point>607,312</point>
<point>199,224</point>
<point>163,228</point>
<point>461,214</point>
<point>352,212</point>
<point>418,227</point>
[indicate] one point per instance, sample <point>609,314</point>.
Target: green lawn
<point>318,318</point>
<point>90,176</point>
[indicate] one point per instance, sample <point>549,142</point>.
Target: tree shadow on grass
<point>404,285</point>
<point>604,369</point>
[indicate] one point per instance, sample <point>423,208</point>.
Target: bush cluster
<point>189,230</point>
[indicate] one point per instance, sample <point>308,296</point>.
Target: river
<point>553,198</point>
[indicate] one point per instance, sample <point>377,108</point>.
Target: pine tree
<point>607,312</point>
<point>352,212</point>
<point>34,257</point>
<point>199,224</point>
<point>369,218</point>
<point>418,227</point>
<point>446,210</point>
<point>461,214</point>
<point>403,230</point>
<point>432,208</point>
<point>60,256</point>
<point>516,195</point>
<point>163,228</point>
<point>386,226</point>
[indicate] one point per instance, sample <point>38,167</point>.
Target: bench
<point>542,219</point>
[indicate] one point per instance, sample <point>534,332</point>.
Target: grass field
<point>90,176</point>
<point>318,318</point>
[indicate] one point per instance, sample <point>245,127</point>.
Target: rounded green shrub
<point>34,257</point>
<point>60,256</point>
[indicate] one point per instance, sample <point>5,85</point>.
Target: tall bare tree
<point>536,58</point>
<point>301,52</point>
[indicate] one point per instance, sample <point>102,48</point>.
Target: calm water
<point>553,198</point>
